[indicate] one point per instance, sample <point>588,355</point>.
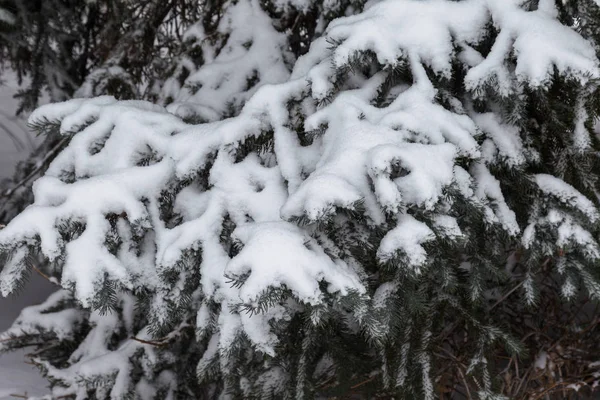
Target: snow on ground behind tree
<point>16,376</point>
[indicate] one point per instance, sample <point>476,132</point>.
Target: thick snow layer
<point>427,30</point>
<point>423,30</point>
<point>253,56</point>
<point>407,236</point>
<point>271,249</point>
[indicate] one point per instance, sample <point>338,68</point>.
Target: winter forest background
<point>297,199</point>
<point>16,143</point>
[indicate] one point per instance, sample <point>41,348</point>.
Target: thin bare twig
<point>157,344</point>
<point>9,339</point>
<point>507,294</point>
<point>51,280</point>
<point>362,383</point>
<point>40,166</point>
<point>464,381</point>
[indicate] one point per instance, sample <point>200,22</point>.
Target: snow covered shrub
<point>350,228</point>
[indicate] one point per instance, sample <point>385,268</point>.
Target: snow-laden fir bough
<point>323,239</point>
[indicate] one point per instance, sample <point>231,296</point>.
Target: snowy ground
<point>16,142</point>
<point>16,377</point>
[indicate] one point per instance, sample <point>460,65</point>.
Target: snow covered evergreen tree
<point>352,227</point>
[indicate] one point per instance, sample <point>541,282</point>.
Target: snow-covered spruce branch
<point>329,231</point>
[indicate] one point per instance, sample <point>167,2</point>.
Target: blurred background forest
<point>16,143</point>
